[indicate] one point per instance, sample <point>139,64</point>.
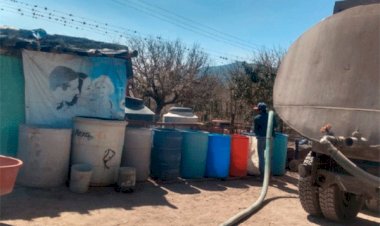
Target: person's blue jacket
<point>261,123</point>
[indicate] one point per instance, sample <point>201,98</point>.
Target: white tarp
<point>61,86</point>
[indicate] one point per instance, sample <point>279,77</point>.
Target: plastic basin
<point>9,168</point>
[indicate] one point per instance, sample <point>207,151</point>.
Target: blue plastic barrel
<point>194,154</point>
<point>166,154</point>
<point>218,155</point>
<point>280,147</point>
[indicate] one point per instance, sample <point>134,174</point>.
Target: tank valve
<point>356,140</point>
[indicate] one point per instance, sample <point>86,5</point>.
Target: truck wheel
<point>308,193</point>
<point>338,205</point>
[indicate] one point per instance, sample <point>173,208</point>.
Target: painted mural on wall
<point>59,87</point>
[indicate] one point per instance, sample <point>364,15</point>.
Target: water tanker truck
<point>328,90</point>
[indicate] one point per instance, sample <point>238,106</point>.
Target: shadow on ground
<point>356,221</point>
<point>281,182</point>
<point>264,203</point>
<point>29,203</point>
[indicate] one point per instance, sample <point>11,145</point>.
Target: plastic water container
<point>136,111</point>
<point>280,147</point>
<point>46,156</point>
<point>136,152</point>
<point>239,155</point>
<point>9,168</point>
<point>166,154</point>
<point>127,178</point>
<point>180,115</point>
<point>99,142</point>
<point>194,154</point>
<point>218,155</point>
<point>80,177</point>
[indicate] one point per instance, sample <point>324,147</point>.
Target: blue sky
<point>232,29</point>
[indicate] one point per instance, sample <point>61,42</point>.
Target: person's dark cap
<point>261,106</point>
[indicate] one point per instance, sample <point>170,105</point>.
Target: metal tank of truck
<point>328,90</point>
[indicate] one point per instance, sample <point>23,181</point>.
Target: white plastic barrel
<point>99,142</point>
<point>80,177</point>
<point>46,156</point>
<point>136,152</point>
<point>253,157</point>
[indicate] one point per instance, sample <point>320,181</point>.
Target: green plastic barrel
<point>194,154</point>
<point>280,146</point>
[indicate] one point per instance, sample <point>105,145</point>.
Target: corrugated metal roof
<point>13,39</point>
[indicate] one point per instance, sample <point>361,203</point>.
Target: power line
<point>37,15</point>
<point>69,17</point>
<point>81,23</point>
<point>177,16</point>
<point>187,27</point>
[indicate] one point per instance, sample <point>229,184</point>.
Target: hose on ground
<point>234,220</point>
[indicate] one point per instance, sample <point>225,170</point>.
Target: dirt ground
<point>202,202</point>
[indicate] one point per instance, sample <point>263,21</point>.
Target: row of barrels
<point>197,154</point>
<point>107,145</point>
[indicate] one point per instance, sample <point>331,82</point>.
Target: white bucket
<point>136,152</point>
<point>127,177</point>
<point>46,156</point>
<point>100,143</point>
<point>80,177</point>
<point>253,157</point>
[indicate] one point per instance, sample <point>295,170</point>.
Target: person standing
<point>260,124</point>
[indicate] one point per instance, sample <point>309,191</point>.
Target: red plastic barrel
<point>239,155</point>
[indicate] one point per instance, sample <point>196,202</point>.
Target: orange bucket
<point>239,155</point>
<point>8,172</point>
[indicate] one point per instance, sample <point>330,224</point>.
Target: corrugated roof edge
<point>12,39</point>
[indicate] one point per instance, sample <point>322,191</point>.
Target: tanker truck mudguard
<point>331,75</point>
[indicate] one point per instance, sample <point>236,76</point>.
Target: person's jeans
<point>260,149</point>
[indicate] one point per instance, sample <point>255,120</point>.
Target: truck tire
<point>308,193</point>
<point>338,205</point>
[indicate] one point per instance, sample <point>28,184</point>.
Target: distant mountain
<point>222,71</point>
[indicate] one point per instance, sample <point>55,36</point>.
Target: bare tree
<point>240,92</point>
<point>203,96</point>
<point>165,71</point>
<point>250,83</point>
<point>263,72</point>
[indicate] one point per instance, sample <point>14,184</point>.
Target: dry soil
<point>193,202</point>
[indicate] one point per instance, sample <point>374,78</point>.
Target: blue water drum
<point>194,154</point>
<point>218,155</point>
<point>166,154</point>
<point>280,147</point>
